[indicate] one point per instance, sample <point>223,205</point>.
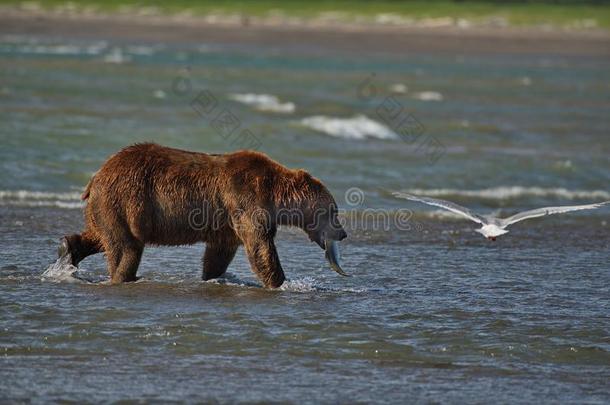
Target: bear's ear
<point>308,181</point>
<point>303,175</point>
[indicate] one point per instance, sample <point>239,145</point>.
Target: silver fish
<point>332,255</point>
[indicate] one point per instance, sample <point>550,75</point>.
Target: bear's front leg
<point>216,259</point>
<point>264,260</point>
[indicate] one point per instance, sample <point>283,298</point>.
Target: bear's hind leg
<point>216,259</point>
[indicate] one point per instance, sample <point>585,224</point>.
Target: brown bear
<point>148,194</point>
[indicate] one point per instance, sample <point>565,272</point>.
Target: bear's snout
<point>337,234</point>
<point>341,234</point>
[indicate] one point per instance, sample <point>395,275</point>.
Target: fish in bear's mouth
<point>333,257</point>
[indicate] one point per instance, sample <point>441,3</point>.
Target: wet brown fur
<point>148,194</point>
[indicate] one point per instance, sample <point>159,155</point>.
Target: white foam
<point>117,56</point>
<point>357,127</point>
<point>50,49</point>
<point>428,96</point>
<point>56,204</point>
<point>141,50</point>
<point>525,81</point>
<point>305,284</point>
<point>264,102</point>
<point>299,285</point>
<point>60,271</point>
<point>160,94</point>
<point>60,49</point>
<point>399,88</point>
<point>232,280</point>
<point>508,192</point>
<point>443,214</point>
<point>310,284</point>
<point>38,195</point>
<point>24,198</point>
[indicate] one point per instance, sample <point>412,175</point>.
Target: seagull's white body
<point>491,231</point>
<point>492,227</point>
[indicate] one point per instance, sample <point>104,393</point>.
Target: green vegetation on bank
<point>559,14</point>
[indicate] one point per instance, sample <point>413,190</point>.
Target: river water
<point>433,312</point>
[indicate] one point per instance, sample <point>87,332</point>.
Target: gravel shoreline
<point>337,37</point>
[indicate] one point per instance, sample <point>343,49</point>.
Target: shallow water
<point>433,311</point>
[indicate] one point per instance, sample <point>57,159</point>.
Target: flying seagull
<point>492,227</point>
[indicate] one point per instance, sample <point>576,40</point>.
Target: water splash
<point>299,285</point>
<point>232,280</point>
<point>305,284</point>
<point>63,271</point>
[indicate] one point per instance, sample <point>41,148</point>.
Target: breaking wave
<point>357,127</point>
<point>57,49</point>
<point>116,55</point>
<point>398,88</point>
<point>71,200</point>
<point>111,54</point>
<point>23,198</point>
<point>510,192</point>
<point>264,102</point>
<point>428,96</point>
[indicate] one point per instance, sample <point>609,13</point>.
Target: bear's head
<point>320,217</point>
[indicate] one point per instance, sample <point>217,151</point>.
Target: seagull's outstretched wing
<point>540,212</point>
<point>458,209</point>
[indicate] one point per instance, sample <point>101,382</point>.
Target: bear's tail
<point>87,191</point>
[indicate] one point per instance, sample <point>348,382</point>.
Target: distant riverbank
<point>371,39</point>
<point>345,13</point>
